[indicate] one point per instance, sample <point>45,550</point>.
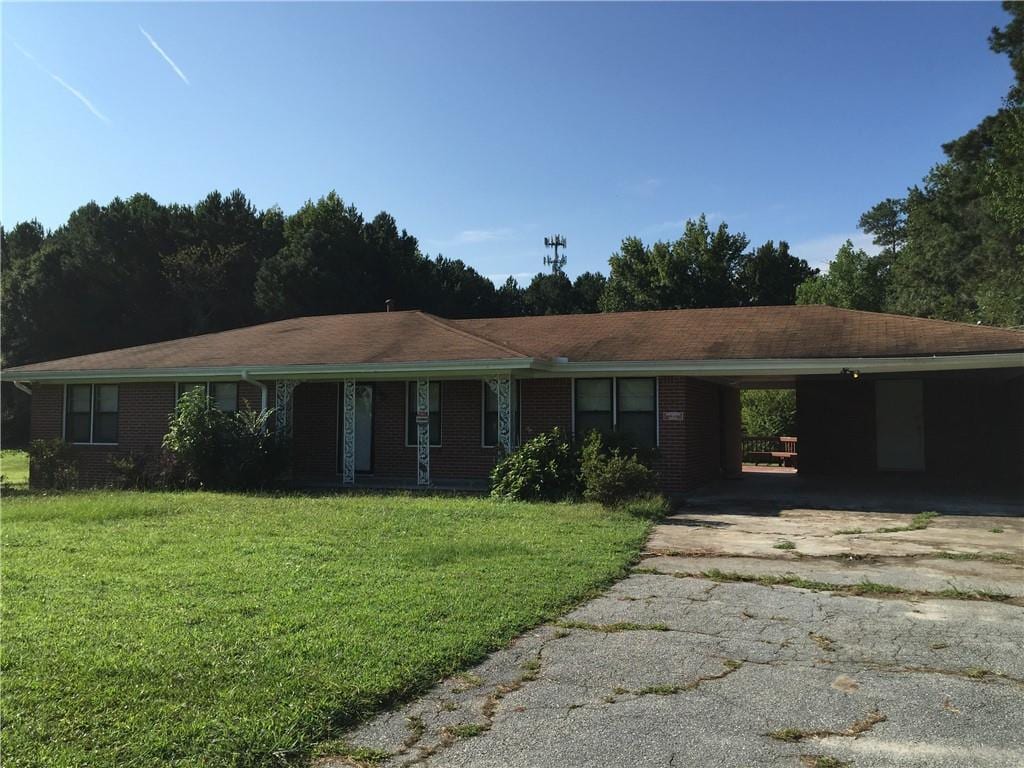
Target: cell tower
<point>556,262</point>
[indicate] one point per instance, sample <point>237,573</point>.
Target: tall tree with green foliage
<point>769,276</point>
<point>699,269</point>
<point>853,280</point>
<point>886,222</point>
<point>587,289</point>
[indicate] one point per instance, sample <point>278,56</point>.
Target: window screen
<point>636,419</point>
<point>78,425</point>
<point>104,420</point>
<point>224,395</point>
<point>593,406</point>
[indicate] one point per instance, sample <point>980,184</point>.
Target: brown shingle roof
<point>735,333</point>
<point>799,332</point>
<point>379,337</point>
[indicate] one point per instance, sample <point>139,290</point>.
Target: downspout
<point>263,389</point>
<point>23,387</point>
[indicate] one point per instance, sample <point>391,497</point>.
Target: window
<point>626,406</point>
<point>490,429</point>
<point>223,394</point>
<point>435,414</point>
<point>91,413</point>
<point>594,406</point>
<point>635,416</point>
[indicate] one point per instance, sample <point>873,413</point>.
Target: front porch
<point>399,434</point>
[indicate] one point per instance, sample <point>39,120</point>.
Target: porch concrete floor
<point>670,670</point>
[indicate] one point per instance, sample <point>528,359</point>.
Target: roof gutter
<point>786,367</point>
<point>263,388</point>
<point>433,369</point>
<point>551,367</point>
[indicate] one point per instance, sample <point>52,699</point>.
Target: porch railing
<point>762,449</point>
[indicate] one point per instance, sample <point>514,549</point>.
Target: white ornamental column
<point>283,410</point>
<point>423,432</point>
<point>348,438</point>
<point>501,385</point>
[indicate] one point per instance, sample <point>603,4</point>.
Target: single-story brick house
<point>406,397</point>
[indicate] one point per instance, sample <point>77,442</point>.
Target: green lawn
<point>14,467</point>
<point>216,629</point>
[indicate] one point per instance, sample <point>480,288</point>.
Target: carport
<point>939,423</point>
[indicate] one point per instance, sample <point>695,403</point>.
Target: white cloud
<point>468,236</point>
<point>166,58</point>
<point>820,251</point>
<point>81,97</point>
<point>63,84</point>
<point>644,187</point>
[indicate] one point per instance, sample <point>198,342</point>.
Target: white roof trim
<point>545,368</point>
<point>789,367</point>
<point>436,369</point>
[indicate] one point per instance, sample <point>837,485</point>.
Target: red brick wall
<point>315,430</point>
<point>141,425</point>
<point>545,404</point>
<point>973,427</point>
<point>690,453</point>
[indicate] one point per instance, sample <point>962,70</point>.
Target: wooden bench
<point>770,450</point>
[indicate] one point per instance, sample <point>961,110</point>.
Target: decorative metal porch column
<point>283,410</point>
<point>348,438</point>
<point>501,386</point>
<point>423,432</point>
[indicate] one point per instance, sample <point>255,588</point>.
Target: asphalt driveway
<point>706,656</point>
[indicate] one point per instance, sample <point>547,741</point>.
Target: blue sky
<point>483,128</point>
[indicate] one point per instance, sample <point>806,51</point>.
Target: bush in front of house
<point>52,465</point>
<point>541,469</point>
<point>612,476</point>
<point>207,448</point>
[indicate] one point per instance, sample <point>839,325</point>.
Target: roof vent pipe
<point>387,304</point>
<point>263,389</point>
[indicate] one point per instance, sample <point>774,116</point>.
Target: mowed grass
<point>145,629</point>
<point>14,467</point>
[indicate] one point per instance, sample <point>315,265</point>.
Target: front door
<point>364,427</point>
<point>899,425</point>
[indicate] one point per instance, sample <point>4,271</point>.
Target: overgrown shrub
<point>210,449</point>
<point>654,507</point>
<point>132,471</point>
<point>52,465</point>
<point>610,476</point>
<point>542,469</point>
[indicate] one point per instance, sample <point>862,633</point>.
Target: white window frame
<point>440,413</point>
<point>206,388</point>
<point>516,426</point>
<point>92,415</point>
<point>615,403</point>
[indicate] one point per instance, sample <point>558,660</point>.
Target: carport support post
<point>423,432</point>
<point>348,438</point>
